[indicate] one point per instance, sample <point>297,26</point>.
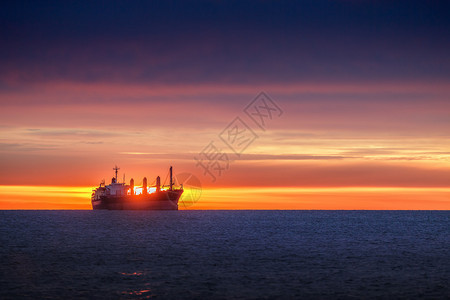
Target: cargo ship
<point>122,196</point>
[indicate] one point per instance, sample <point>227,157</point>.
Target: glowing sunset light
<point>40,191</point>
<point>358,108</point>
<point>138,190</point>
<point>46,197</point>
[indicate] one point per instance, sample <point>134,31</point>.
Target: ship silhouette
<point>121,196</point>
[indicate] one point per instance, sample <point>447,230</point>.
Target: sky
<point>355,101</point>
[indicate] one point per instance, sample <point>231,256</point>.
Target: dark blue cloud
<point>225,41</point>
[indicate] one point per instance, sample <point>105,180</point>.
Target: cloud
<point>74,133</point>
<point>26,147</point>
<point>365,90</point>
<point>205,43</point>
<point>274,157</point>
<point>341,173</point>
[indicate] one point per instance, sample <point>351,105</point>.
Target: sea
<point>224,254</point>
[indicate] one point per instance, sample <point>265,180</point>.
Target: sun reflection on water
<point>134,292</point>
<point>132,274</point>
<point>143,294</point>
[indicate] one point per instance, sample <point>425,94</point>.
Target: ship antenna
<point>116,169</point>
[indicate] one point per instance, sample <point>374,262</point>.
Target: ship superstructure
<point>121,196</point>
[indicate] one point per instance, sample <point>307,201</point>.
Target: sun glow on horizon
<point>376,198</point>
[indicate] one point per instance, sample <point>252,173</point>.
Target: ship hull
<point>163,200</point>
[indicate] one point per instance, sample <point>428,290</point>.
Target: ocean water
<point>224,254</point>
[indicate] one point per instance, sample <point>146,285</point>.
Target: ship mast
<point>171,182</point>
<point>116,169</point>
